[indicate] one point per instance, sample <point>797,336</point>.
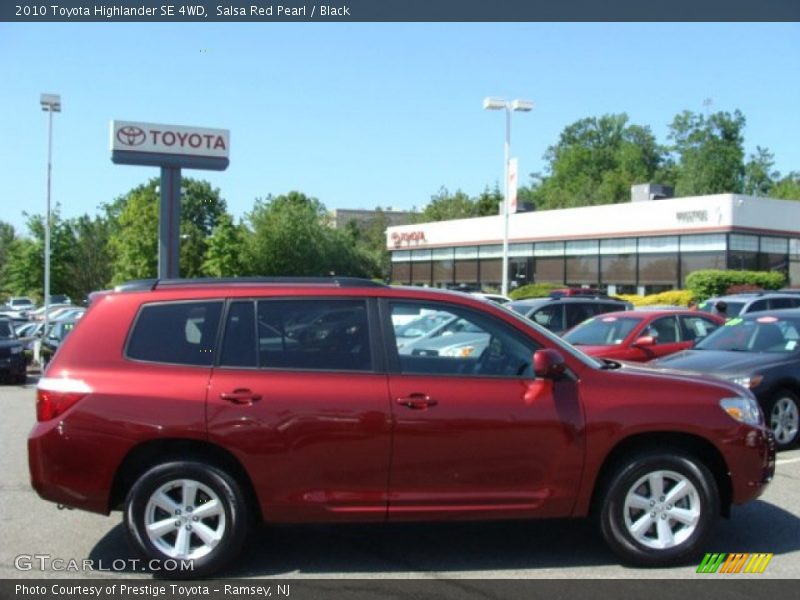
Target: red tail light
<point>54,396</point>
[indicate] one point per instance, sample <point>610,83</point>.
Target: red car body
<point>372,445</point>
<point>640,341</point>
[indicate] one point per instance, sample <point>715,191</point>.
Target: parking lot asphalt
<point>30,526</point>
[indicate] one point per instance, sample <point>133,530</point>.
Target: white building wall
<point>698,214</point>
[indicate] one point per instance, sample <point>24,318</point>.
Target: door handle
<point>240,396</point>
<point>417,401</point>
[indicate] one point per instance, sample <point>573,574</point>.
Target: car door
<point>474,433</point>
<point>667,335</point>
<point>298,395</point>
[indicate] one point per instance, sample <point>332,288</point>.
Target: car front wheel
<point>188,517</point>
<point>783,418</point>
<point>658,508</point>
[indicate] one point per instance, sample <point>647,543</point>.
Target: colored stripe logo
<point>731,564</point>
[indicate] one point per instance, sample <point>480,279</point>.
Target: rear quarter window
<point>182,333</point>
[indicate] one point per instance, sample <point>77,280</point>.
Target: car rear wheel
<point>658,508</point>
<point>189,516</point>
<point>783,418</point>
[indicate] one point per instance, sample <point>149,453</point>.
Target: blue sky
<point>360,115</point>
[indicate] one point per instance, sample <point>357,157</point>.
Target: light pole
<point>509,106</point>
<point>50,103</point>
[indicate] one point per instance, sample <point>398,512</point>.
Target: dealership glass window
<point>401,272</point>
<point>466,271</point>
<point>493,251</point>
<point>697,261</point>
<point>582,264</point>
<point>491,272</point>
<point>658,271</point>
<point>520,250</point>
<point>519,270</point>
<point>618,246</point>
<point>583,270</point>
<point>618,269</point>
<point>443,267</point>
<point>548,249</point>
<point>421,273</point>
<point>743,261</point>
<point>464,252</point>
<point>703,243</point>
<point>549,270</point>
<point>743,243</point>
<point>466,265</point>
<point>658,245</point>
<point>794,248</point>
<point>401,256</point>
<point>618,264</point>
<point>774,254</point>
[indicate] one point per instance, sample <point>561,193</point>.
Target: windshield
<point>6,332</point>
<point>602,331</point>
<point>761,334</point>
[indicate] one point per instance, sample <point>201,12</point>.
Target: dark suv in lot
<point>560,313</point>
<point>200,408</point>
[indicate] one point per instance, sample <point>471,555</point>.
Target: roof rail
<point>152,284</point>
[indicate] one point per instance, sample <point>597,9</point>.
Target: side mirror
<point>548,364</point>
<point>645,340</point>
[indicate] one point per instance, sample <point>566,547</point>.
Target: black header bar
<point>340,11</point>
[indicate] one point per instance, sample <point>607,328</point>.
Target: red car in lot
<point>642,335</point>
<point>200,408</point>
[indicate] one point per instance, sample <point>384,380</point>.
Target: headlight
<point>748,382</point>
<point>16,349</point>
<point>460,352</point>
<point>743,409</point>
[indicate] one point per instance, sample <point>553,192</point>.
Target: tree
<point>133,229</point>
<point>758,174</point>
<point>787,188</point>
<point>708,152</point>
<point>488,203</point>
<point>7,237</point>
<point>90,267</point>
<point>292,235</point>
<point>133,240</point>
<point>445,206</point>
<point>24,269</point>
<point>595,161</point>
<point>226,246</point>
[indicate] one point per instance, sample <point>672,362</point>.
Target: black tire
<point>229,521</point>
<point>785,425</point>
<point>617,521</point>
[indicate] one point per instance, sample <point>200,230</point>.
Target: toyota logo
<point>131,136</point>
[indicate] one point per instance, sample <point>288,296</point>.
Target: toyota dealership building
<point>643,246</point>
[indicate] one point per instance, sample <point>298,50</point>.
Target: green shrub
<point>534,290</point>
<point>708,283</point>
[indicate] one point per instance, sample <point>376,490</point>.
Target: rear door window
<point>182,333</point>
<point>314,334</point>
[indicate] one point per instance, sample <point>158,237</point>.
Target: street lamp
<point>50,103</point>
<point>509,106</point>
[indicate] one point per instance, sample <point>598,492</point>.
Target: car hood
<point>659,373</point>
<point>5,343</point>
<point>721,362</point>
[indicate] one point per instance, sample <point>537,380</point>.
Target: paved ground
<point>562,549</point>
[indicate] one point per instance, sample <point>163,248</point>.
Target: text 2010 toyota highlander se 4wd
<point>202,407</point>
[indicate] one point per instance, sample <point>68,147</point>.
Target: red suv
<point>200,408</point>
